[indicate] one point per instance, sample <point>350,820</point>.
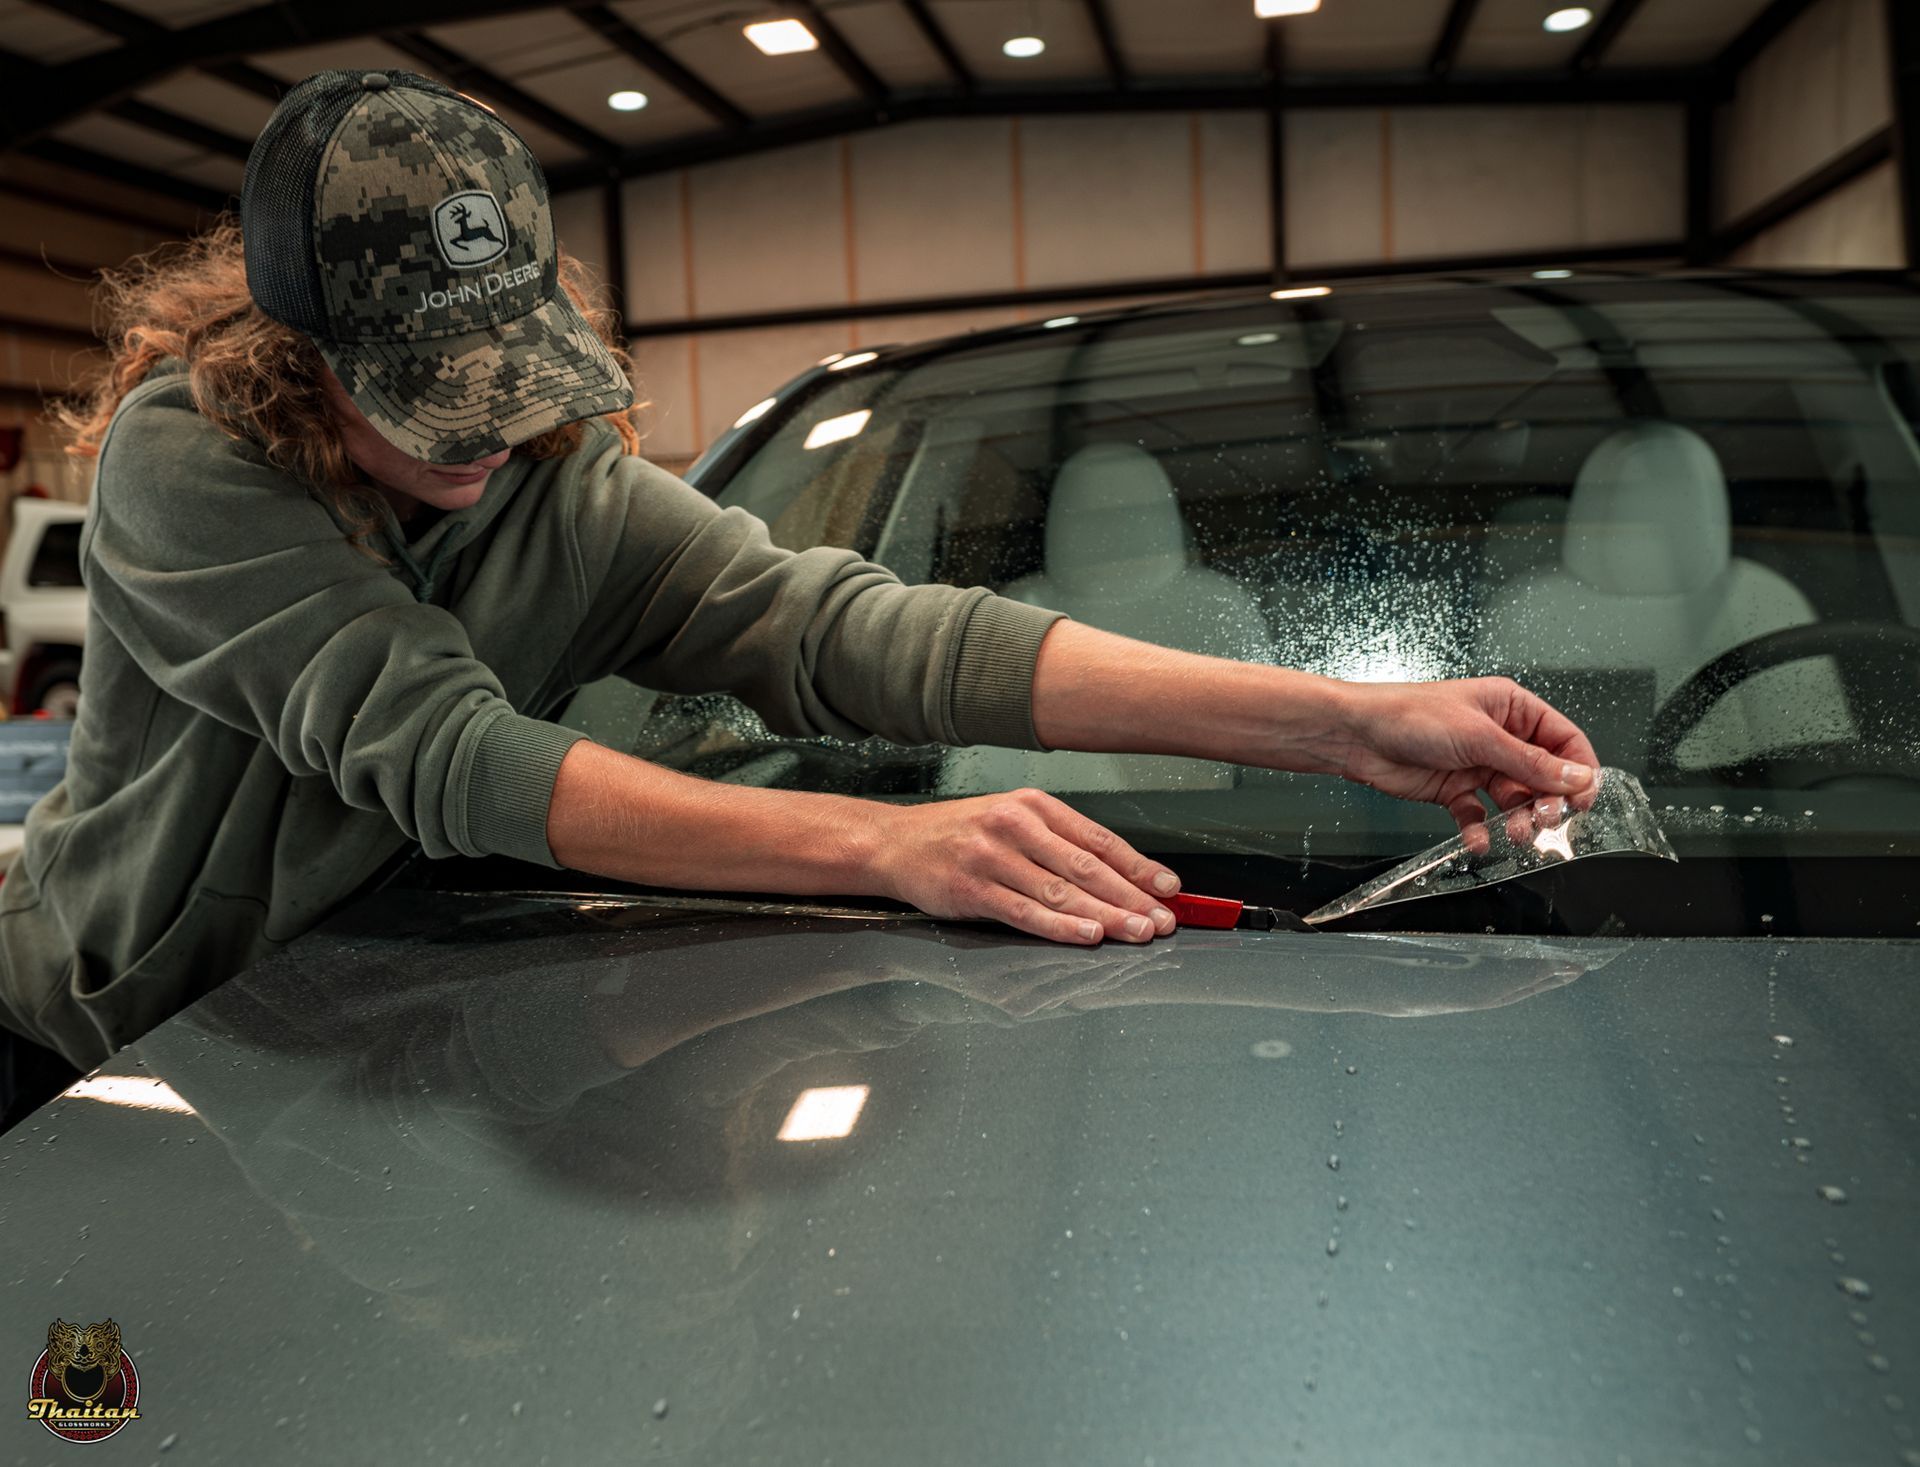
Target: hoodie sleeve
<point>687,597</point>
<point>236,593</point>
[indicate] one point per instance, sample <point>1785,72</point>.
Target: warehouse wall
<point>46,250</point>
<point>1821,87</point>
<point>996,205</point>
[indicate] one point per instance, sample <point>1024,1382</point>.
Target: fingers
<point>1045,869</point>
<point>1530,765</point>
<point>1149,876</point>
<point>1542,742</point>
<point>1033,899</point>
<point>1097,879</point>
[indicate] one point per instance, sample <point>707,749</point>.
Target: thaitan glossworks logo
<point>470,228</point>
<point>83,1387</point>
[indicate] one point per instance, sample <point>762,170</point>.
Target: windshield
<point>1685,511</point>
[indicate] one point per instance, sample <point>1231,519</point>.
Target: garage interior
<point>906,176</point>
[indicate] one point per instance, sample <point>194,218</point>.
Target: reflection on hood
<point>481,1111</point>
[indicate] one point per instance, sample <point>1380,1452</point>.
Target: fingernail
<point>1162,919</point>
<point>1165,883</point>
<point>1089,930</point>
<point>1577,775</point>
<point>1138,926</point>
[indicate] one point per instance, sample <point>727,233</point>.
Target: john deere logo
<point>84,1386</point>
<point>470,227</point>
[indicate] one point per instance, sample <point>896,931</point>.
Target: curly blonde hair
<point>259,380</point>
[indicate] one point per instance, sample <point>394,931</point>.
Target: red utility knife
<point>1206,911</point>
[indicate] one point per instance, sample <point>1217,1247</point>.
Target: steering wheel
<point>1872,655</point>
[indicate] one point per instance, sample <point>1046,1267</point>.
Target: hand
<point>1027,860</point>
<point>1443,742</point>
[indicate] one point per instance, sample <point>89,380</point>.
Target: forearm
<point>622,817</point>
<point>1099,692</point>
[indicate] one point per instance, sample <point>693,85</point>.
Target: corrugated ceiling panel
<point>1365,35</point>
<point>1682,32</point>
<point>889,41</point>
<point>718,52</point>
<point>980,27</point>
<point>1507,36</point>
<point>44,36</point>
<point>203,98</point>
<point>126,142</point>
<point>367,55</point>
<point>179,13</point>
<point>582,90</point>
<point>1193,38</point>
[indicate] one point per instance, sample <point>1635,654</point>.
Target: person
<point>369,507</point>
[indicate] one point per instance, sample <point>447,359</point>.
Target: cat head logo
<point>470,228</point>
<point>84,1387</point>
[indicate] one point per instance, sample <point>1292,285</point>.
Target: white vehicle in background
<point>43,607</point>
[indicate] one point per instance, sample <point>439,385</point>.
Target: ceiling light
<point>781,37</point>
<point>1022,47</point>
<point>755,413</point>
<point>627,101</point>
<point>1553,275</point>
<point>1061,321</point>
<point>832,430</point>
<point>1570,19</point>
<point>824,1114</point>
<point>1268,9</point>
<point>858,359</point>
<point>1260,338</point>
<point>1300,292</point>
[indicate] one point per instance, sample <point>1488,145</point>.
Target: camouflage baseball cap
<point>406,230</point>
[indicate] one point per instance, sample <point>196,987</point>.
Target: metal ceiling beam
<point>611,28</point>
<point>472,76</point>
<point>17,72</point>
<point>262,84</point>
<point>942,43</point>
<point>1600,40</point>
<point>131,25</point>
<point>1446,50</point>
<point>1699,181</point>
<point>40,259</point>
<point>1671,87</point>
<point>57,94</point>
<point>1276,119</point>
<point>66,335</point>
<point>865,81</point>
<point>116,170</point>
<point>1250,280</point>
<point>1903,47</point>
<point>1102,22</point>
<point>1868,153</point>
<point>90,208</point>
<point>172,124</point>
<point>1758,35</point>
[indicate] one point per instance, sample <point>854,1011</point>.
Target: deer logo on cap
<point>470,228</point>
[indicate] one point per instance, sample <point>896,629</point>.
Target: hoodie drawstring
<point>424,577</point>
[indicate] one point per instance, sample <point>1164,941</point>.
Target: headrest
<point>1649,515</point>
<point>1113,523</point>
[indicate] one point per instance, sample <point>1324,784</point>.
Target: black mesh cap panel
<point>276,201</point>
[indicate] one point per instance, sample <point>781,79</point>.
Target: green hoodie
<point>270,715</point>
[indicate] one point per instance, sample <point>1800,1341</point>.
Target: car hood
<point>506,1175</point>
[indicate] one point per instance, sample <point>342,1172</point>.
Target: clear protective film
<point>1531,838</point>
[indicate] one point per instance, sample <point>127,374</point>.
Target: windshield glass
<point>1685,511</point>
